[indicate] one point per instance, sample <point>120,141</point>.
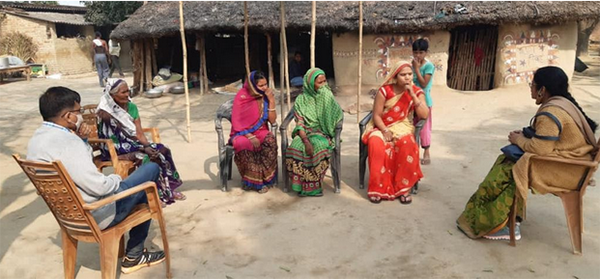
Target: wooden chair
<point>122,167</point>
<point>572,201</point>
<point>336,166</point>
<point>226,149</point>
<point>76,222</point>
<point>364,151</point>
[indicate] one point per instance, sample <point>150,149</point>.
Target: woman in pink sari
<point>255,146</point>
<point>393,152</point>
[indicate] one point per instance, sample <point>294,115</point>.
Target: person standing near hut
<point>101,60</point>
<point>114,49</point>
<point>423,73</point>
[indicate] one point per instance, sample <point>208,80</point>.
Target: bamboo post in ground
<point>154,62</point>
<point>360,41</point>
<point>247,55</point>
<point>281,76</point>
<point>185,71</point>
<point>200,72</point>
<point>204,70</point>
<point>270,62</point>
<point>313,27</point>
<point>148,64</point>
<point>285,58</point>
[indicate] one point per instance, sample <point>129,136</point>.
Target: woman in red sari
<point>393,152</point>
<point>255,146</point>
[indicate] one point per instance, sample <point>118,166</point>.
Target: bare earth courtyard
<point>241,234</point>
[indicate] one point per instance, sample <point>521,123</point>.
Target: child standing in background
<point>423,73</point>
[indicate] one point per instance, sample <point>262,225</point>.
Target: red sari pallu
<point>393,166</point>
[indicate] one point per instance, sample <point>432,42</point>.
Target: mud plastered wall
<point>524,48</point>
<point>382,52</point>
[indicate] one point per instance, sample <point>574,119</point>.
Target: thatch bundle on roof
<point>157,19</point>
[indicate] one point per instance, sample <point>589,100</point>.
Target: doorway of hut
<point>225,54</point>
<point>472,58</point>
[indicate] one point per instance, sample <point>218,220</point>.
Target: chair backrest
<point>55,186</point>
<point>89,118</point>
<point>224,111</point>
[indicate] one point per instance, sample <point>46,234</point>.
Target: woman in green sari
<point>561,130</point>
<point>316,113</point>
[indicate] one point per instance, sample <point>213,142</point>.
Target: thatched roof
<point>157,19</point>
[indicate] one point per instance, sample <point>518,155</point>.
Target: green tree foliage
<point>104,13</point>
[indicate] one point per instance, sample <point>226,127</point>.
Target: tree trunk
<point>584,30</point>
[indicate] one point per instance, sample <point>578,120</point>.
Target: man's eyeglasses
<point>80,110</point>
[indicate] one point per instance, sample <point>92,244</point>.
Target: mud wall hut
<point>473,45</point>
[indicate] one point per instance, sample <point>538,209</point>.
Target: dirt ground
<point>235,234</point>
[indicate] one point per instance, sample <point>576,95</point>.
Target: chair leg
<point>512,215</point>
<point>572,204</point>
<point>362,165</point>
<point>109,250</point>
<point>122,246</point>
<point>223,174</point>
<point>163,233</point>
<point>69,246</point>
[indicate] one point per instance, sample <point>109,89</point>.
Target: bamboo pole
<point>200,72</point>
<point>148,64</point>
<point>247,55</point>
<point>285,58</point>
<point>204,70</point>
<point>281,75</point>
<point>270,62</point>
<point>313,25</point>
<point>185,72</point>
<point>154,62</point>
<point>360,42</point>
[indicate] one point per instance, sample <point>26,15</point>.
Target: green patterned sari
<point>316,113</point>
<point>489,207</point>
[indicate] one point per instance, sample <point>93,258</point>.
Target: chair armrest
<point>589,164</point>
<point>221,139</point>
<point>149,187</point>
<point>366,120</point>
<point>419,126</point>
<point>154,132</point>
<point>286,121</point>
<point>112,151</point>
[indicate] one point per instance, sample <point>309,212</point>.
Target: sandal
<point>405,199</point>
<point>263,190</point>
<point>375,200</point>
<point>305,195</point>
<point>179,196</point>
<point>425,161</point>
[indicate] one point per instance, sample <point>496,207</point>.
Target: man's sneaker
<point>146,259</point>
<point>504,233</point>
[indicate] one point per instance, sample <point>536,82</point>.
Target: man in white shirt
<point>114,49</point>
<point>63,137</point>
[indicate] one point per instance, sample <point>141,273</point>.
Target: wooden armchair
<point>76,222</point>
<point>122,167</point>
<point>572,201</point>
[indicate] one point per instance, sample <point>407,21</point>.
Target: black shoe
<point>146,259</point>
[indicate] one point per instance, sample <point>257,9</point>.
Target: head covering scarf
<point>250,107</point>
<point>317,108</point>
<point>108,104</point>
<point>391,78</point>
